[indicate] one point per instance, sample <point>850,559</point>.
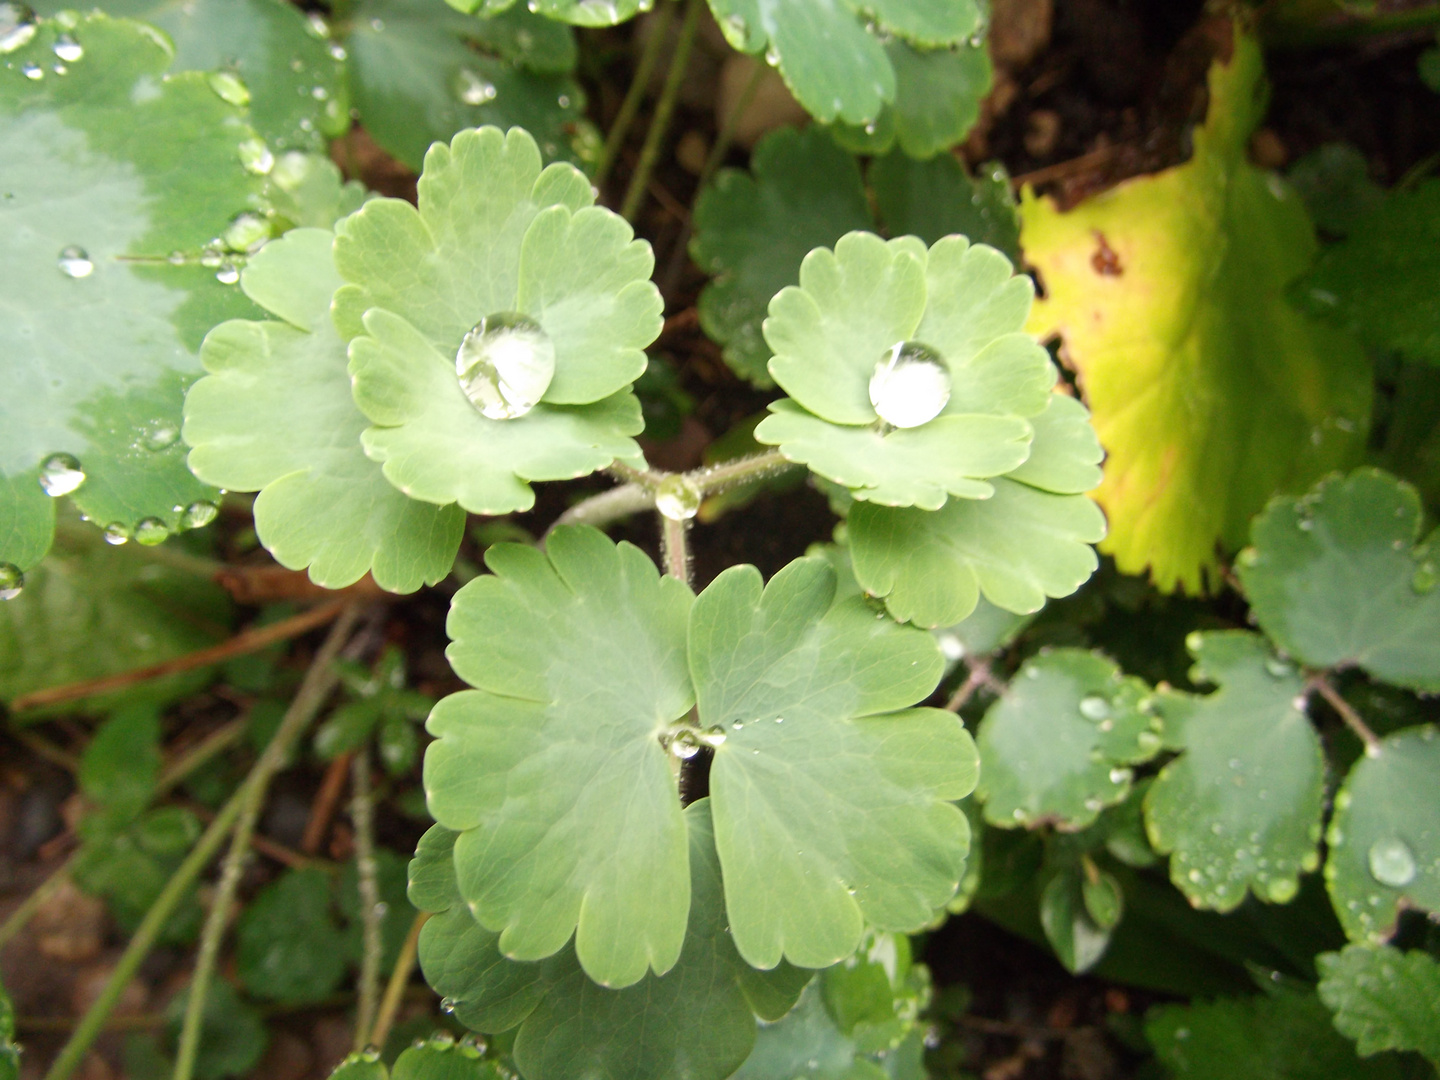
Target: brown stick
<point>1347,713</point>
<point>241,644</point>
<point>322,810</point>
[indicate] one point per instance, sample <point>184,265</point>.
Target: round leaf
<point>289,947</point>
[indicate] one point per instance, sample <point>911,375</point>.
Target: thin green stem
<point>35,901</point>
<point>395,988</point>
<point>630,107</point>
<point>217,742</point>
<point>362,815</point>
<point>315,688</point>
<point>729,474</point>
<point>664,109</point>
<point>600,510</point>
<point>676,550</point>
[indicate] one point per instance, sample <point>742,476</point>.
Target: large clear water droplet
<point>33,72</point>
<point>228,274</point>
<point>60,474</point>
<point>229,87</point>
<point>1094,707</point>
<point>256,157</point>
<point>505,365</point>
<point>12,581</point>
<point>911,385</point>
<point>75,263</point>
<point>198,514</point>
<point>68,49</point>
<point>247,232</point>
<point>17,27</point>
<point>684,744</point>
<point>713,736</point>
<point>677,498</point>
<point>472,89</point>
<point>117,533</point>
<point>1392,862</point>
<point>151,531</point>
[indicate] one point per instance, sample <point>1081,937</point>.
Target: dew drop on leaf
<point>1278,668</point>
<point>1282,890</point>
<point>75,263</point>
<point>677,498</point>
<point>471,89</point>
<point>316,24</point>
<point>228,274</point>
<point>1424,579</point>
<point>1094,707</point>
<point>60,474</point>
<point>247,232</point>
<point>256,157</point>
<point>229,87</point>
<point>910,386</point>
<point>12,581</point>
<point>684,744</point>
<point>117,533</point>
<point>150,531</point>
<point>505,365</point>
<point>1392,862</point>
<point>17,27</point>
<point>68,49</point>
<point>198,514</point>
<point>441,1040</point>
<point>713,736</point>
<point>160,436</point>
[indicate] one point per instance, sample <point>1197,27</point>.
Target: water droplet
<point>117,533</point>
<point>563,101</point>
<point>12,581</point>
<point>1424,579</point>
<point>677,498</point>
<point>1120,776</point>
<point>447,1005</point>
<point>248,232</point>
<point>198,514</point>
<point>1094,707</point>
<point>772,57</point>
<point>68,49</point>
<point>870,128</point>
<point>684,744</point>
<point>1148,741</point>
<point>256,157</point>
<point>1392,862</point>
<point>316,24</point>
<point>319,93</point>
<point>1282,890</point>
<point>228,274</point>
<point>160,436</point>
<point>176,258</point>
<point>33,72</point>
<point>505,365</point>
<point>779,719</point>
<point>151,531</point>
<point>951,647</point>
<point>17,27</point>
<point>471,89</point>
<point>229,87</point>
<point>377,25</point>
<point>337,51</point>
<point>75,263</point>
<point>713,736</point>
<point>911,385</point>
<point>60,474</point>
<point>441,1040</point>
<point>1278,668</point>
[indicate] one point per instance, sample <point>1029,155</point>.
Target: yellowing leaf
<point>1209,391</point>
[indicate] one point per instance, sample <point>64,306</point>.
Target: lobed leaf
<point>935,198</point>
<point>288,945</point>
<point>1382,998</point>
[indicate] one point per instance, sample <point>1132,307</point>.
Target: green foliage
<point>1334,180</point>
<point>127,861</point>
<point>122,762</point>
<point>381,706</point>
<point>233,1036</point>
<point>9,1051</point>
<point>1068,907</point>
<point>289,947</point>
<point>1383,999</point>
<point>936,198</point>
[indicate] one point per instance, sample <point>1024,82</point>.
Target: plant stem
<point>35,901</point>
<point>676,551</point>
<point>395,988</point>
<point>362,815</point>
<point>314,689</point>
<point>1341,32</point>
<point>728,474</point>
<point>659,34</point>
<point>664,108</point>
<point>977,676</point>
<point>217,742</point>
<point>600,510</point>
<point>1347,713</point>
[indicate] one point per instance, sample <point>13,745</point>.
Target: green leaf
<point>1287,1036</point>
<point>1210,391</point>
<point>233,1035</point>
<point>875,996</point>
<point>275,415</point>
<point>1336,578</point>
<point>296,87</point>
<point>122,762</point>
<point>306,191</point>
<point>92,609</point>
<point>493,236</point>
<point>9,1051</point>
<point>1056,747</point>
<point>936,198</point>
<point>696,1021</point>
<point>1078,938</point>
<point>123,167</point>
<point>937,101</point>
<point>441,1058</point>
<point>416,79</point>
<point>1240,807</point>
<point>553,768</point>
<point>1334,180</point>
<point>288,946</point>
<point>1382,998</point>
<point>855,310</point>
<point>1385,836</point>
<point>831,807</point>
<point>128,861</point>
<point>834,65</point>
<point>753,229</point>
<point>1374,282</point>
<point>365,1065</point>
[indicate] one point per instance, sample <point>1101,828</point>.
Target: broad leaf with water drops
<point>577,12</point>
<point>935,198</point>
<point>292,78</point>
<point>110,167</point>
<point>830,53</point>
<point>909,376</point>
<point>275,415</point>
<point>497,328</point>
<point>696,1022</point>
<point>553,769</point>
<point>1057,747</point>
<point>832,798</point>
<point>1384,838</point>
<point>1030,540</point>
<point>1340,576</point>
<point>1383,998</point>
<point>753,229</point>
<point>1240,808</point>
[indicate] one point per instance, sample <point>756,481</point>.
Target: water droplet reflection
<point>12,581</point>
<point>17,27</point>
<point>677,498</point>
<point>505,365</point>
<point>1392,862</point>
<point>910,386</point>
<point>75,263</point>
<point>60,474</point>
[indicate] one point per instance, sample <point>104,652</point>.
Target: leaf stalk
<point>664,109</point>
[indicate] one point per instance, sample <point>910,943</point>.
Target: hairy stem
<point>659,34</point>
<point>730,474</point>
<point>600,510</point>
<point>676,550</point>
<point>664,109</point>
<point>362,815</point>
<point>395,988</point>
<point>1347,713</point>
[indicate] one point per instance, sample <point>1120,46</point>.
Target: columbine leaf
<point>1055,748</point>
<point>1334,180</point>
<point>307,191</point>
<point>1210,391</point>
<point>296,87</point>
<point>494,235</point>
<point>1336,578</point>
<point>830,805</point>
<point>1079,940</point>
<point>1382,998</point>
<point>1240,807</point>
<point>1377,281</point>
<point>1385,836</point>
<point>416,79</point>
<point>751,234</point>
<point>578,12</point>
<point>289,947</point>
<point>108,169</point>
<point>129,860</point>
<point>696,1021</point>
<point>937,101</point>
<point>122,762</point>
<point>552,768</point>
<point>869,304</point>
<point>275,415</point>
<point>830,62</point>
<point>936,198</point>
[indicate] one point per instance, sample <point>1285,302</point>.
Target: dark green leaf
<point>233,1035</point>
<point>1078,938</point>
<point>936,198</point>
<point>122,762</point>
<point>1383,999</point>
<point>1334,180</point>
<point>289,948</point>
